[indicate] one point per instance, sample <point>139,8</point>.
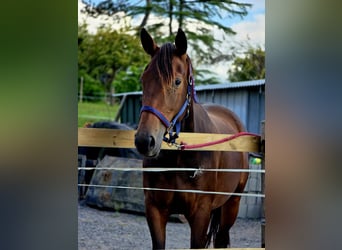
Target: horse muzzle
<point>147,144</point>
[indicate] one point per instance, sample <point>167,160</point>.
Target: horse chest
<point>180,185</point>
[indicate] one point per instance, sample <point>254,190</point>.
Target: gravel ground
<point>98,229</point>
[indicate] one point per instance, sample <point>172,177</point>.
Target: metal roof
<point>230,85</point>
<point>227,85</point>
<point>128,93</point>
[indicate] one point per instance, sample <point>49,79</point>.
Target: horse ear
<point>147,42</point>
<point>181,42</point>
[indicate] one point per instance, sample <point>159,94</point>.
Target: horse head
<point>166,93</point>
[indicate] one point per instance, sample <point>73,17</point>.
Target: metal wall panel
<point>234,99</point>
<point>131,110</point>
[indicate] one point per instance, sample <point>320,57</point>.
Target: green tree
<point>103,55</point>
<point>249,67</point>
<point>183,13</point>
<point>128,80</point>
<point>92,87</point>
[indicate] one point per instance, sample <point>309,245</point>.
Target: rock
<point>120,197</point>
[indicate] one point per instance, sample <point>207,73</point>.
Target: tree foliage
<point>249,67</point>
<point>174,14</point>
<point>102,56</point>
<point>127,81</point>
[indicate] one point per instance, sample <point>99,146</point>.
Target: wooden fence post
<point>262,149</point>
<point>81,89</point>
<point>118,114</point>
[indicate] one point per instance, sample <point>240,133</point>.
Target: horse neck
<point>198,119</point>
<point>188,123</point>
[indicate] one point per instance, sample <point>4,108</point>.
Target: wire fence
<point>156,169</point>
<point>175,190</point>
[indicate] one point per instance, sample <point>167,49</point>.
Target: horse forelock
<point>164,61</point>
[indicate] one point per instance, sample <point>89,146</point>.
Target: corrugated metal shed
<point>246,99</point>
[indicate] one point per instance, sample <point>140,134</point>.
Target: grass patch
<point>94,112</point>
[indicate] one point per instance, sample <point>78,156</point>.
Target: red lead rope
<point>184,146</point>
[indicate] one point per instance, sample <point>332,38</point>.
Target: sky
<point>251,28</point>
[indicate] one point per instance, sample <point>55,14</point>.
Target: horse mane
<point>164,61</point>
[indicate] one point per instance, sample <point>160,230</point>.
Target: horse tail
<point>214,226</point>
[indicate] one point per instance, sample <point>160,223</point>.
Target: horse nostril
<point>152,142</point>
<point>145,144</point>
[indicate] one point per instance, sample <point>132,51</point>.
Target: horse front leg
<point>156,220</point>
<point>229,213</point>
<point>199,223</point>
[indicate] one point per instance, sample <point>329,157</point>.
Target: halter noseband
<point>173,127</point>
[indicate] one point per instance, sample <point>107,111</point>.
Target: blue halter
<point>173,127</point>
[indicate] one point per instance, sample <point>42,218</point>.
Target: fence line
<point>96,96</point>
<point>174,190</point>
<point>125,139</point>
<point>174,169</point>
<point>110,139</point>
<point>95,116</point>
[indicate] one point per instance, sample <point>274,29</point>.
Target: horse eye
<point>178,82</point>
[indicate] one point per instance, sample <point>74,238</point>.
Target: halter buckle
<point>170,127</point>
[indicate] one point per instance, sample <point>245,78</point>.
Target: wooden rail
<point>96,137</point>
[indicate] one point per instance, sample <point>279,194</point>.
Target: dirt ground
<point>98,229</point>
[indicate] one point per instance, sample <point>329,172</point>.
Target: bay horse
<point>169,107</point>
